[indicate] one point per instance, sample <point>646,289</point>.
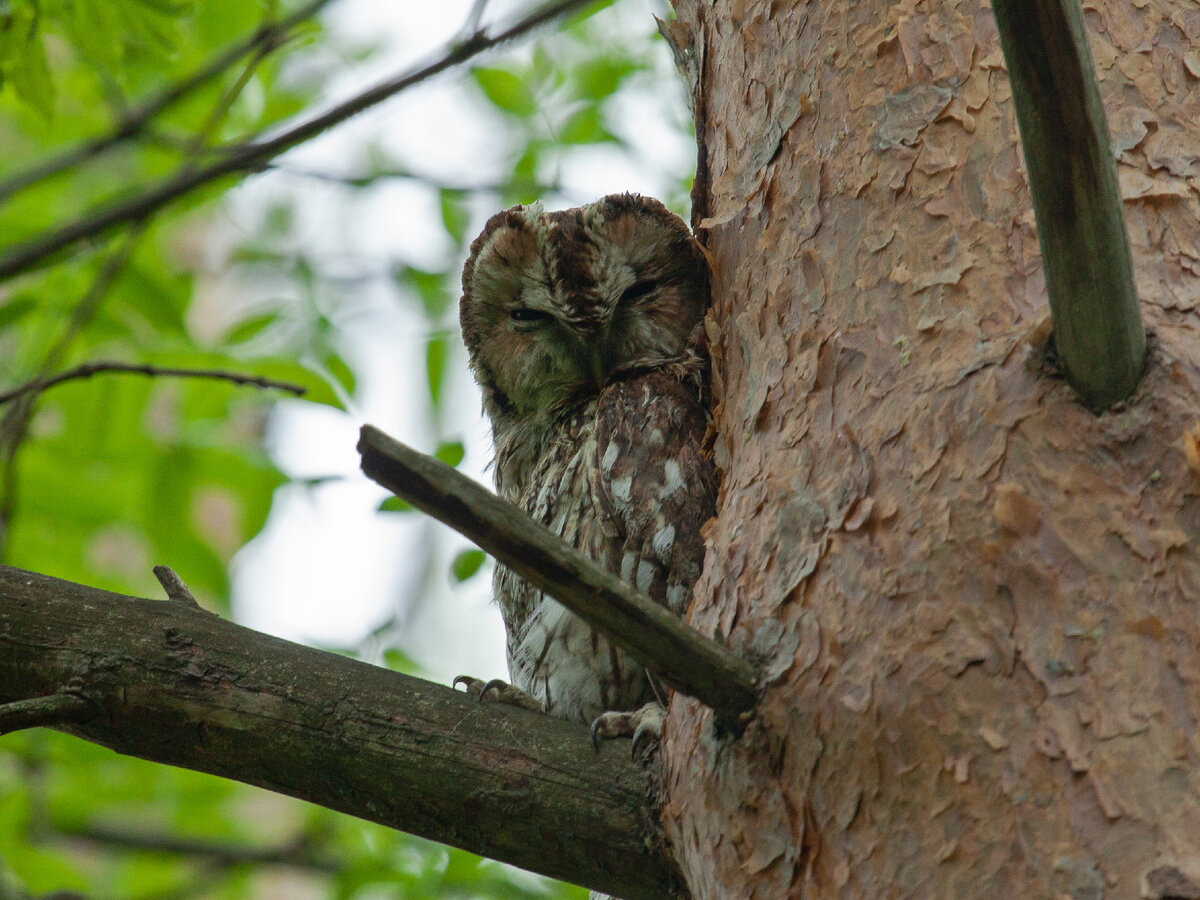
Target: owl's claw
<point>643,725</point>
<point>499,685</point>
<point>497,689</point>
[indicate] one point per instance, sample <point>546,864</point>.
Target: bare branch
<point>251,157</point>
<point>1098,328</point>
<point>266,39</point>
<point>297,854</point>
<point>51,710</point>
<point>680,656</point>
<point>540,188</point>
<point>187,688</point>
<point>87,370</point>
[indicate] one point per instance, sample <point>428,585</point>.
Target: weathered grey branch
<point>680,656</point>
<point>1098,328</point>
<point>249,157</point>
<point>171,683</point>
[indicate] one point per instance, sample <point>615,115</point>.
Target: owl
<point>585,333</point>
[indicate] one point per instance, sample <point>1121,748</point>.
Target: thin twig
<point>268,37</point>
<point>679,655</point>
<point>297,854</point>
<point>251,157</point>
<point>471,25</point>
<point>50,710</point>
<point>540,188</point>
<point>88,369</point>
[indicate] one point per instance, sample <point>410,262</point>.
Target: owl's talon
<point>643,725</point>
<point>644,737</point>
<point>498,690</point>
<point>473,685</point>
<point>499,685</point>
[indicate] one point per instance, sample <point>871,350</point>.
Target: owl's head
<point>557,305</point>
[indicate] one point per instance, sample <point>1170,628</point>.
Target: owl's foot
<point>499,690</point>
<point>643,725</point>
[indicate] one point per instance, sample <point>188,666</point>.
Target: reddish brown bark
<point>979,604</point>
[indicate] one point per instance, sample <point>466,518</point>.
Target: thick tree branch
<point>87,370</point>
<point>1098,328</point>
<point>683,658</point>
<point>172,684</point>
<point>250,157</point>
<point>266,39</point>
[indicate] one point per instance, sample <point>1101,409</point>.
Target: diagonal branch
<point>170,683</point>
<point>680,656</point>
<point>250,157</point>
<point>88,369</point>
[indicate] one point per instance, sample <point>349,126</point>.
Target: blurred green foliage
<point>101,478</point>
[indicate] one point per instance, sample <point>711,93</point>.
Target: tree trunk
<point>976,603</point>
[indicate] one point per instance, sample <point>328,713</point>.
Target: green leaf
<point>454,214</point>
<point>585,126</point>
<point>399,662</point>
<point>28,70</point>
<point>599,77</point>
<point>450,452</point>
<point>395,504</point>
<point>431,287</point>
<point>466,564</point>
<point>435,367</point>
<point>506,91</point>
<point>251,327</point>
<point>317,388</point>
<point>341,372</point>
<point>15,309</point>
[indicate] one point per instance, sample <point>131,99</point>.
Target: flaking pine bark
<point>977,601</point>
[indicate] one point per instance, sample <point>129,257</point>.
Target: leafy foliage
<point>100,479</point>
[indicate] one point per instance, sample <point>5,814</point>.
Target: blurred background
<point>335,267</point>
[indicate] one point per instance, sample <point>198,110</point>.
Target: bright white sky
<point>328,570</point>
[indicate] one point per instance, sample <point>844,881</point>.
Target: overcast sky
<point>327,569</point>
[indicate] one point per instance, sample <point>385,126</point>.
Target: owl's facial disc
<point>558,305</point>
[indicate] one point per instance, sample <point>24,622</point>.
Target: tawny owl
<point>585,332</point>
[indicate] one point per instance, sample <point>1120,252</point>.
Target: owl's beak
<point>598,360</point>
<point>601,357</point>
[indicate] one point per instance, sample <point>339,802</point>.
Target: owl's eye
<point>526,318</point>
<point>639,289</point>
